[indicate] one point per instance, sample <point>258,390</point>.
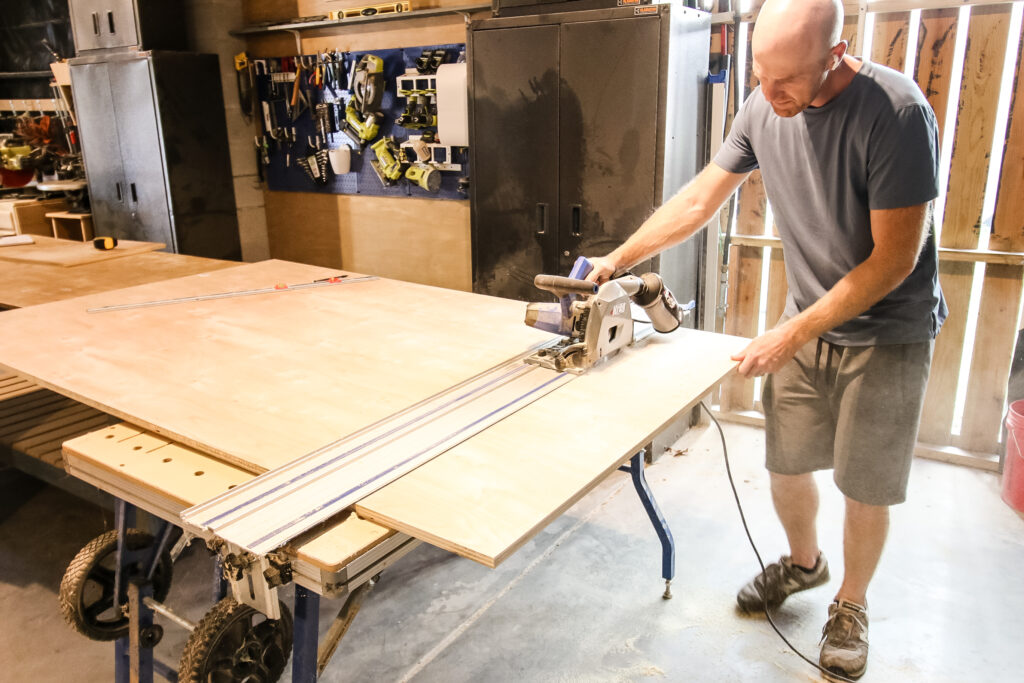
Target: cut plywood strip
<point>487,496</point>
<point>122,458</point>
<point>937,416</point>
<point>67,253</point>
<point>972,142</point>
<point>934,63</point>
<point>993,354</point>
<point>1008,220</point>
<point>263,380</point>
<point>272,509</point>
<point>777,288</point>
<point>889,42</point>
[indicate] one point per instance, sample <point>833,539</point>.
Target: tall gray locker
<point>154,142</point>
<point>581,124</point>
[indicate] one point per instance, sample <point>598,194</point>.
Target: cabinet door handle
<point>117,186</point>
<point>135,196</point>
<point>110,21</point>
<point>576,210</point>
<point>95,23</point>
<point>542,218</point>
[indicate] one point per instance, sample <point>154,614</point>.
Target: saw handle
<point>563,286</point>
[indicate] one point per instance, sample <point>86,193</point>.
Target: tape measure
<point>104,243</point>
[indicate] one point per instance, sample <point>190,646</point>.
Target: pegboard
<point>273,108</point>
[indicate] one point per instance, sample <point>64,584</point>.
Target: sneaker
<point>844,647</point>
<point>778,581</point>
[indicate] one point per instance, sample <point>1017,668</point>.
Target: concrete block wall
<point>209,22</point>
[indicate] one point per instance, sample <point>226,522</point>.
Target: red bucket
<point>1013,465</point>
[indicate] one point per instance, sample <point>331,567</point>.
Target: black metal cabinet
<point>571,145</point>
<point>154,144</point>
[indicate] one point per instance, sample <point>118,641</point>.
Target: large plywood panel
<point>30,284</point>
<point>416,240</point>
<point>486,497</point>
<point>68,253</point>
<point>303,227</point>
<point>261,380</point>
<point>972,143</point>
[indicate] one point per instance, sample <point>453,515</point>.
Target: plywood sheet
<point>487,496</point>
<point>30,284</point>
<point>744,298</point>
<point>67,253</point>
<point>262,380</point>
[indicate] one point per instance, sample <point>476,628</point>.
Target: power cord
<point>743,518</point>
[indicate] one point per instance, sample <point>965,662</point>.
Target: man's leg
<point>864,533</point>
<point>796,503</point>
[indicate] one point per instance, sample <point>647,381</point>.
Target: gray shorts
<point>855,409</point>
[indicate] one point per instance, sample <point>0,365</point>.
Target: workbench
<point>34,421</point>
<point>216,392</point>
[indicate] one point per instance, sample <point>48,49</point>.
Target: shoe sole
<point>832,672</point>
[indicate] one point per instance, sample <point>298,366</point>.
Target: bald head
<point>796,45</point>
<point>808,26</point>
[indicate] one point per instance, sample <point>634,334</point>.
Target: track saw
<point>597,321</point>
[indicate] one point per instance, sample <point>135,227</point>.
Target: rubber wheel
<point>234,642</point>
<point>87,589</point>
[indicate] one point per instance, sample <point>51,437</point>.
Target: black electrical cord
<point>728,470</point>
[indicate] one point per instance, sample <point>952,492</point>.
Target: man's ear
<point>837,53</point>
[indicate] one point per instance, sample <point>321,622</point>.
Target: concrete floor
<point>582,602</point>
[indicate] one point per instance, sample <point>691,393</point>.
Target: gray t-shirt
<point>873,146</point>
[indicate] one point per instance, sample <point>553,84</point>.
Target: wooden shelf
<point>352,21</point>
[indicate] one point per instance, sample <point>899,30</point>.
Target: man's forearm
<point>860,289</point>
<point>678,218</point>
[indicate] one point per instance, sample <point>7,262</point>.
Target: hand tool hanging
<point>246,83</point>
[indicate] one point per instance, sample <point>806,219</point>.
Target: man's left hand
<point>768,353</point>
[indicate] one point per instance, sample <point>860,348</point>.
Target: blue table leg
<point>668,546</point>
<point>305,635</point>
<point>121,674</point>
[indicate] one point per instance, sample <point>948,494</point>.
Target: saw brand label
<point>619,309</point>
<point>649,9</point>
<point>629,3</point>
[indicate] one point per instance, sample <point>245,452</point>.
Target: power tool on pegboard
<point>388,165</point>
<point>362,113</point>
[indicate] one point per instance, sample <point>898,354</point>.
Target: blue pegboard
<point>362,179</point>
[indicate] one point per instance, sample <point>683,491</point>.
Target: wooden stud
<point>936,42</point>
<point>993,352</point>
<point>937,415</point>
<point>979,95</point>
<point>744,297</point>
<point>1008,221</point>
<point>777,288</point>
<point>889,41</point>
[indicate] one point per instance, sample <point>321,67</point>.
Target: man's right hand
<point>603,269</point>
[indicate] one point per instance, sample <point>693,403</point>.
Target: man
<point>849,156</point>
